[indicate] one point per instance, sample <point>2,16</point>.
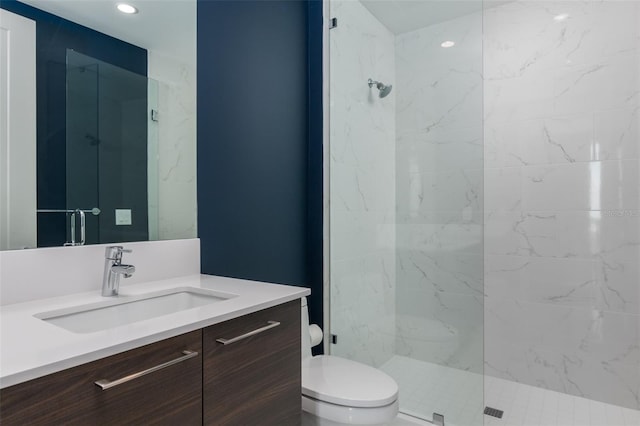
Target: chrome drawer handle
<point>271,325</point>
<point>106,384</point>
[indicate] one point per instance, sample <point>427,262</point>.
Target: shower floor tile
<point>426,388</point>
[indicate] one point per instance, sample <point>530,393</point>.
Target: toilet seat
<point>347,383</point>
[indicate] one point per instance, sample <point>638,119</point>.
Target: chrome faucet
<point>113,268</point>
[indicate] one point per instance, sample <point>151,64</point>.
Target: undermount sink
<point>123,310</point>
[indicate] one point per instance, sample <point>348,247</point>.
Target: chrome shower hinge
<point>438,419</point>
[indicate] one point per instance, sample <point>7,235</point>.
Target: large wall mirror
<point>108,151</point>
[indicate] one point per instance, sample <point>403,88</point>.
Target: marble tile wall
<point>439,200</point>
<point>362,187</point>
<point>555,164</point>
<point>562,197</point>
<point>176,161</point>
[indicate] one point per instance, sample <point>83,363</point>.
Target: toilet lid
<point>341,381</point>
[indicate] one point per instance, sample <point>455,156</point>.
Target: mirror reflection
<point>105,196</point>
<point>114,151</point>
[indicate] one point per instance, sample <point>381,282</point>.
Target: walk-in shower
<point>484,233</point>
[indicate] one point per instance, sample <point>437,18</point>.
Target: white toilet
<point>338,391</point>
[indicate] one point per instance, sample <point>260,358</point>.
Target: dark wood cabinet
<point>171,395</point>
<point>254,380</point>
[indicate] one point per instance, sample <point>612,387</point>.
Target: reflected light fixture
<point>448,43</point>
<point>126,8</point>
<point>561,17</point>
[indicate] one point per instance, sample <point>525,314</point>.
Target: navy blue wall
<point>54,36</point>
<point>260,142</point>
<point>314,161</point>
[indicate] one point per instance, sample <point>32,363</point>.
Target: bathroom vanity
<point>235,361</point>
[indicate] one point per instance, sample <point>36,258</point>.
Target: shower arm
<point>383,88</point>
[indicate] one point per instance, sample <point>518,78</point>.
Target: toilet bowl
<point>338,391</point>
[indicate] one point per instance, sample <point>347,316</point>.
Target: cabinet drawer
<point>170,394</point>
<point>254,380</point>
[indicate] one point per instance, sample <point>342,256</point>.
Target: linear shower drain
<point>494,412</point>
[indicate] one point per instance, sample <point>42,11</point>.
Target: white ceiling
<point>165,26</point>
<point>169,26</point>
<point>401,16</point>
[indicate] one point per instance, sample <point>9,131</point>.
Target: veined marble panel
<point>519,98</point>
<point>585,352</point>
<point>596,185</point>
<point>177,196</point>
<point>588,283</point>
<point>606,186</point>
<point>611,83</point>
<point>524,38</point>
<point>568,234</point>
<point>562,220</point>
<point>602,135</point>
<point>503,189</point>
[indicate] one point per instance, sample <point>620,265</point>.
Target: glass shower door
<point>406,199</point>
<point>82,149</point>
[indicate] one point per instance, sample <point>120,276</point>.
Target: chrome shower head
<point>384,89</point>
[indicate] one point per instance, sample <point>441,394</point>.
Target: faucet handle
<point>110,252</point>
<point>115,252</point>
<point>119,252</point>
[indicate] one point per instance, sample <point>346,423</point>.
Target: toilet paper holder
<point>315,335</point>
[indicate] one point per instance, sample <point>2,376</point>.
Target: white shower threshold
<point>461,396</point>
<point>405,420</point>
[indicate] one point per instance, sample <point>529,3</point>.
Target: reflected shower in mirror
<point>106,195</point>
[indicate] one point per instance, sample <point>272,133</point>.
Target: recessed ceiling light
<point>127,8</point>
<point>561,17</point>
<point>448,43</point>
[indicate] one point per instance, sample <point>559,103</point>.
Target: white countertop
<point>31,347</point>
